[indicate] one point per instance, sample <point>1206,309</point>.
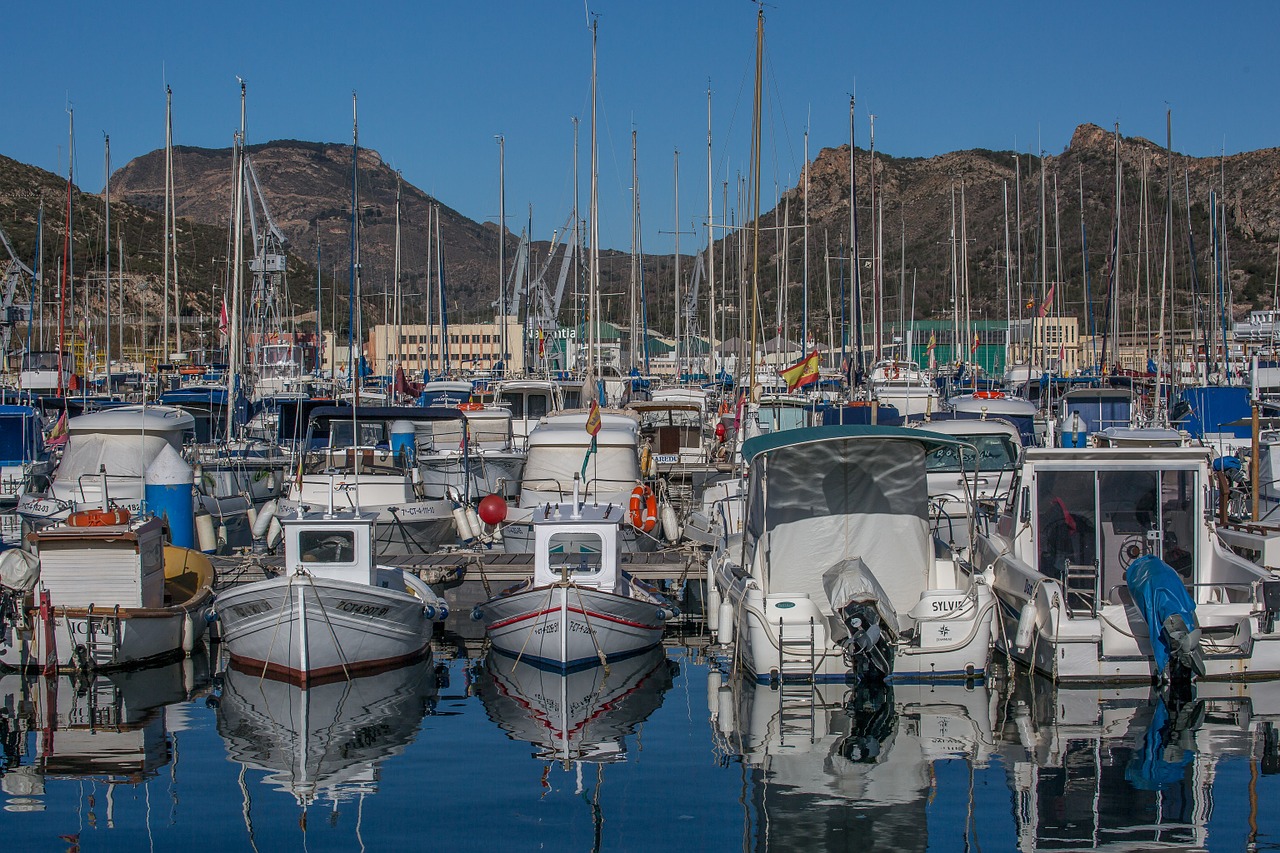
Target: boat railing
<point>547,484</point>
<point>1245,588</point>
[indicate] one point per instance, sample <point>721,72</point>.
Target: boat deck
<point>486,566</point>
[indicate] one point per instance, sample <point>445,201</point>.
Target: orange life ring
<point>193,370</point>
<point>988,395</point>
<point>644,509</point>
<point>470,407</point>
<point>98,518</point>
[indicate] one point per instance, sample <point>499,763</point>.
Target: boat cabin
<point>1092,512</point>
<point>579,545</point>
<point>336,545</point>
<point>674,431</point>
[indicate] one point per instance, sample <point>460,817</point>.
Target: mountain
<point>917,195</point>
<point>307,186</point>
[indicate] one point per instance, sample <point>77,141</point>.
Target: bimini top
<point>753,447</point>
<point>133,419</point>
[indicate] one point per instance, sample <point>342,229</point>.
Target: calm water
<point>663,753</point>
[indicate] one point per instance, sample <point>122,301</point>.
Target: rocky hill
<point>307,186</point>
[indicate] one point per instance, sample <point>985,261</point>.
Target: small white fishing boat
<point>579,608</point>
<point>836,573</point>
<point>102,591</point>
<point>333,613</point>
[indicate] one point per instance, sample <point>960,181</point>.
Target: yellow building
<point>1052,343</point>
<point>471,347</point>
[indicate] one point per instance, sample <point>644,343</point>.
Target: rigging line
<point>325,613</point>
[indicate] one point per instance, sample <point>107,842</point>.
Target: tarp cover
<point>123,456</point>
<point>19,570</point>
<point>817,503</point>
<point>1158,593</point>
<point>851,581</point>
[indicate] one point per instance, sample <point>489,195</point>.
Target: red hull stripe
<point>324,674</point>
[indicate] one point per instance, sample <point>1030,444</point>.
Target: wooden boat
<point>579,608</point>
<point>333,613</point>
<point>103,591</point>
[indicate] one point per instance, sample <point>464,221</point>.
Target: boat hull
<point>403,530</point>
<point>306,629</point>
<point>571,627</point>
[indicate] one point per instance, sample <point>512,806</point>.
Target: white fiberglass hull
<point>303,628</point>
<point>569,627</point>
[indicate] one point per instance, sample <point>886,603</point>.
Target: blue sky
<point>437,82</point>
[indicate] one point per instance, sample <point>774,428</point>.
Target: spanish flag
<point>593,419</point>
<point>803,372</point>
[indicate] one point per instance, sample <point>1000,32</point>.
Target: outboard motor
<point>863,608</point>
<point>1170,614</point>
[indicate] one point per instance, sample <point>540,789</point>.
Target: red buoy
<point>493,509</point>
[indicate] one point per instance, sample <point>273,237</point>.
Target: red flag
<point>1048,301</point>
<point>222,318</point>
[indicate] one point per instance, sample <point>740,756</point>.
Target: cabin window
<point>1067,521</point>
<point>515,402</point>
<point>372,434</point>
<point>576,553</point>
<point>572,398</point>
<point>995,453</point>
<point>327,546</point>
<point>537,405</point>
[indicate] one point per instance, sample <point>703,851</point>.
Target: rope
<point>285,605</point>
<point>325,613</point>
<point>529,633</point>
<point>591,631</point>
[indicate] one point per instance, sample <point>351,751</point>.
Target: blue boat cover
<point>1158,593</point>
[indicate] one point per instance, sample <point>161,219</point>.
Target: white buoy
<point>252,514</point>
<point>714,680</point>
<point>724,632</point>
<point>263,521</point>
<point>274,531</point>
<point>473,519</point>
<point>670,522</point>
<point>713,604</point>
<point>1026,626</point>
<point>205,535</point>
<point>460,521</point>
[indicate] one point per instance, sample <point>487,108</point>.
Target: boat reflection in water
<point>326,741</point>
<point>584,715</point>
<point>1131,768</point>
<point>843,766</point>
<point>114,728</point>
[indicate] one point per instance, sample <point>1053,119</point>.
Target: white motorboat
<point>324,741</point>
<point>106,459</point>
<point>903,385</point>
<point>375,470</point>
<point>836,573</point>
<point>470,455</point>
<point>529,401</point>
<point>579,608</point>
<point>584,715</point>
<point>1063,556</point>
<point>333,613</point>
<point>102,591</point>
<point>558,449</point>
<point>975,474</point>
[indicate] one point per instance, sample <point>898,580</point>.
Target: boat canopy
<point>821,495</point>
<point>21,439</point>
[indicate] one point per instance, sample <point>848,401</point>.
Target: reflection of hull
<point>570,626</point>
<point>826,758</point>
<point>303,628</point>
<point>1127,768</point>
<point>111,725</point>
<point>577,716</point>
<point>326,740</point>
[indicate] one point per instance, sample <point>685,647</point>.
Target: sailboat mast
<point>1165,272</point>
<point>352,288</point>
<point>593,258</point>
<point>678,304</point>
<point>635,257</point>
<point>396,276</point>
<point>502,251</point>
<point>711,253</point>
<point>804,300</point>
<point>233,342</point>
<point>755,203</point>
<point>66,253</point>
<point>106,279</point>
<point>855,266</point>
<point>168,214</point>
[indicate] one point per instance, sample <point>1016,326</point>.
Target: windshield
<point>995,453</point>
